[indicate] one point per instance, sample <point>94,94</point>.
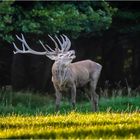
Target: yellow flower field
<point>72,126</point>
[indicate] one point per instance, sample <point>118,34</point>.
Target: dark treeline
<point>115,45</point>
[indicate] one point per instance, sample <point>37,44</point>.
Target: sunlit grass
<point>72,126</point>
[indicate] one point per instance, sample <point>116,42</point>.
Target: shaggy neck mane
<point>61,73</point>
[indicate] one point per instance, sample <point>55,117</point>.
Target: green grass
<point>33,104</point>
<point>72,126</point>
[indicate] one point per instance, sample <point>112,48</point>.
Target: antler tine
<point>56,45</point>
<point>50,48</point>
<point>68,43</point>
<point>22,43</point>
<point>25,43</point>
<point>47,51</point>
<point>65,46</point>
<point>23,46</point>
<point>17,50</point>
<point>61,44</point>
<point>43,45</point>
<point>64,43</point>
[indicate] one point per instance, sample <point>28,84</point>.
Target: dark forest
<point>105,32</point>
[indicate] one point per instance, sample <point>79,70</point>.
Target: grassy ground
<point>32,104</point>
<point>26,115</point>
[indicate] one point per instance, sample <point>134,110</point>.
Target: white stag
<point>67,76</point>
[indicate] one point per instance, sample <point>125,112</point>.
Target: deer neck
<point>60,74</point>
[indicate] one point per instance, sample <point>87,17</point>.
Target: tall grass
<point>31,104</point>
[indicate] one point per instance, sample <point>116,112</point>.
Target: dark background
<point>117,50</point>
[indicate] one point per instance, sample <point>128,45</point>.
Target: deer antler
<point>65,44</point>
<point>26,48</point>
<point>49,52</point>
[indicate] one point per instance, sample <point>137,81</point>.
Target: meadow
<point>27,115</point>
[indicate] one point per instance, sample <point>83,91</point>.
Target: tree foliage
<point>73,18</point>
<point>6,15</point>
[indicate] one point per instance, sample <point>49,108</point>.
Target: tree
<point>6,15</point>
<point>73,18</point>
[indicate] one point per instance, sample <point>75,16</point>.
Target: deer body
<point>79,74</point>
<point>67,76</point>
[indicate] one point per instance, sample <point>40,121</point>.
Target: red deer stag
<point>67,76</point>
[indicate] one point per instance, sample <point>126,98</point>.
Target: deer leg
<point>93,84</point>
<point>94,96</point>
<point>58,100</point>
<point>73,96</point>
